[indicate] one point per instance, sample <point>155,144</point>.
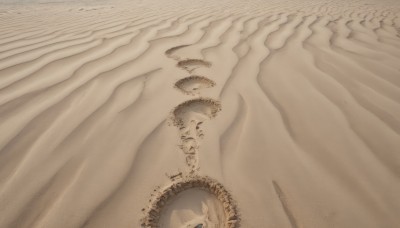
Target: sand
<point>230,113</point>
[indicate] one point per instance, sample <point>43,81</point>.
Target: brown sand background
<point>308,134</point>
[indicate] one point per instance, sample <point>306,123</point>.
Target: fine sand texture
<point>200,114</point>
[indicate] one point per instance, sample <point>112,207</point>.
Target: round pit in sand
<point>192,84</point>
<point>194,201</point>
<point>192,64</point>
<point>198,109</point>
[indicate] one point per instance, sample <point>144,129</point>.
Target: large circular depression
<point>192,202</point>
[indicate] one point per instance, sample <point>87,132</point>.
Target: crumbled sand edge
<point>216,107</point>
<point>163,196</point>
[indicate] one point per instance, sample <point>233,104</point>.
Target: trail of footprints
<point>189,118</point>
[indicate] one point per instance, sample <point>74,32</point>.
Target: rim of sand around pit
<point>165,195</point>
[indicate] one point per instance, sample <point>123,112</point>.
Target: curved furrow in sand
<point>85,70</point>
<point>271,97</point>
<point>106,101</point>
<point>359,128</point>
<point>44,210</point>
<point>19,31</point>
<point>43,61</point>
<point>14,20</point>
<point>249,29</point>
<point>44,196</point>
<point>21,43</point>
<point>356,126</point>
<point>174,24</point>
<point>65,19</point>
<point>343,39</point>
<point>237,26</point>
<point>317,85</point>
<point>205,27</point>
<point>43,64</point>
<point>255,60</point>
<point>198,28</point>
<point>185,28</point>
<point>211,32</point>
<point>374,82</point>
<point>105,46</point>
<point>106,22</point>
<point>82,124</point>
<point>112,24</point>
<point>204,31</point>
<point>59,35</point>
<point>90,112</point>
<point>233,133</point>
<point>250,25</point>
<point>28,32</point>
<point>368,37</point>
<point>129,176</point>
<point>339,46</point>
<point>46,49</point>
<point>357,57</point>
<point>295,124</point>
<point>243,48</point>
<point>92,24</point>
<point>29,46</point>
<point>371,105</point>
<point>279,38</point>
<point>271,27</point>
<point>252,59</point>
<point>371,25</point>
<point>12,75</point>
<point>383,73</point>
<point>244,30</point>
<point>13,37</point>
<point>211,38</point>
<point>234,28</point>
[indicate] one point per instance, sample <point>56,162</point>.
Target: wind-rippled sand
<point>293,106</point>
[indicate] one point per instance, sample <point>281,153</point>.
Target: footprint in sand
<point>198,109</point>
<point>188,117</point>
<point>188,64</point>
<point>170,52</point>
<point>211,205</point>
<point>193,84</point>
<point>192,64</point>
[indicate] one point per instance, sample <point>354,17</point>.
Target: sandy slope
<point>299,117</point>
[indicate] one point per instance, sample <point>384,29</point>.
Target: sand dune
<point>210,113</point>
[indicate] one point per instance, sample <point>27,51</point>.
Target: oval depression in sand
<point>192,84</point>
<point>195,201</point>
<point>192,64</point>
<point>195,109</point>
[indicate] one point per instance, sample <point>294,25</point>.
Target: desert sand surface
<point>200,113</point>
